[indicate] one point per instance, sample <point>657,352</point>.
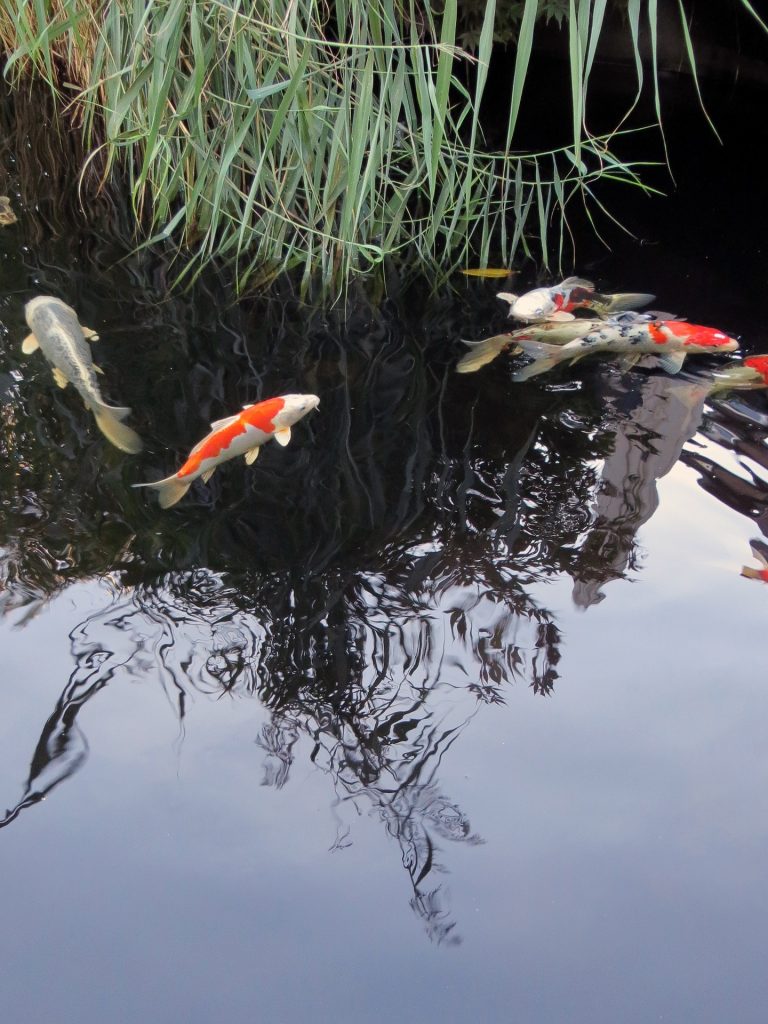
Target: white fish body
<point>572,293</point>
<point>57,332</point>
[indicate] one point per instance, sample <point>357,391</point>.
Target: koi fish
<point>751,373</point>
<point>760,551</point>
<point>554,332</point>
<point>572,293</point>
<point>492,272</point>
<point>58,334</point>
<point>242,434</point>
<point>634,335</point>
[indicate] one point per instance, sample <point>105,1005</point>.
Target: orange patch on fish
<point>694,334</point>
<point>657,334</point>
<point>260,416</point>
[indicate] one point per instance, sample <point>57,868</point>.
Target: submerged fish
<point>751,373</point>
<point>242,434</point>
<point>572,293</point>
<point>760,552</point>
<point>58,334</point>
<point>553,332</point>
<point>633,335</point>
<point>493,272</point>
<point>7,216</point>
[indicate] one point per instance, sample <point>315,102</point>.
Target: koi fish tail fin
<point>625,300</point>
<point>170,490</point>
<point>544,358</point>
<point>753,574</point>
<point>109,421</point>
<point>483,352</point>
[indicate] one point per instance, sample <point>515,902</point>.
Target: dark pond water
<point>453,709</point>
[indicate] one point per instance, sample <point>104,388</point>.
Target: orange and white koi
<point>572,293</point>
<point>242,434</point>
<point>760,552</point>
<point>632,335</point>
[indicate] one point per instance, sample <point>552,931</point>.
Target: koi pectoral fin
<point>252,455</point>
<point>59,377</point>
<point>629,362</point>
<point>283,436</point>
<point>89,334</point>
<point>672,362</point>
<point>30,345</point>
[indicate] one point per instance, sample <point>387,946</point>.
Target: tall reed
<point>283,133</point>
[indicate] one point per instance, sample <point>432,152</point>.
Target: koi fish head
<point>45,302</point>
<point>534,305</point>
<point>703,339</point>
<point>294,407</point>
<point>273,414</point>
<point>760,364</point>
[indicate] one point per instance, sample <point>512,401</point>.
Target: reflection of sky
<point>622,877</point>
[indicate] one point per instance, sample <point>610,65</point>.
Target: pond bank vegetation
<point>278,134</point>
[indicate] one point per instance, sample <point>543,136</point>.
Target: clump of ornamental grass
<point>295,133</point>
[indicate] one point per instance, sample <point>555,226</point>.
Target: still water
<point>455,708</point>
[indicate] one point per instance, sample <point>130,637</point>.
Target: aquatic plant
<point>281,133</point>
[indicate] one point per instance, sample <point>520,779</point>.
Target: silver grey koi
<point>57,332</point>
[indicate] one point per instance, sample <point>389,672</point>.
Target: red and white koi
<point>632,335</point>
<point>242,434</point>
<point>572,293</point>
<point>751,373</point>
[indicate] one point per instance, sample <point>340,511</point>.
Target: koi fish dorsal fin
<point>226,422</point>
<point>249,405</point>
<point>30,345</point>
<point>577,282</point>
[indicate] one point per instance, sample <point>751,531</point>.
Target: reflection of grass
<point>287,133</point>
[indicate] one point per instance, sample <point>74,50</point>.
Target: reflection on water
<point>378,658</point>
<point>649,420</point>
<point>379,730</point>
